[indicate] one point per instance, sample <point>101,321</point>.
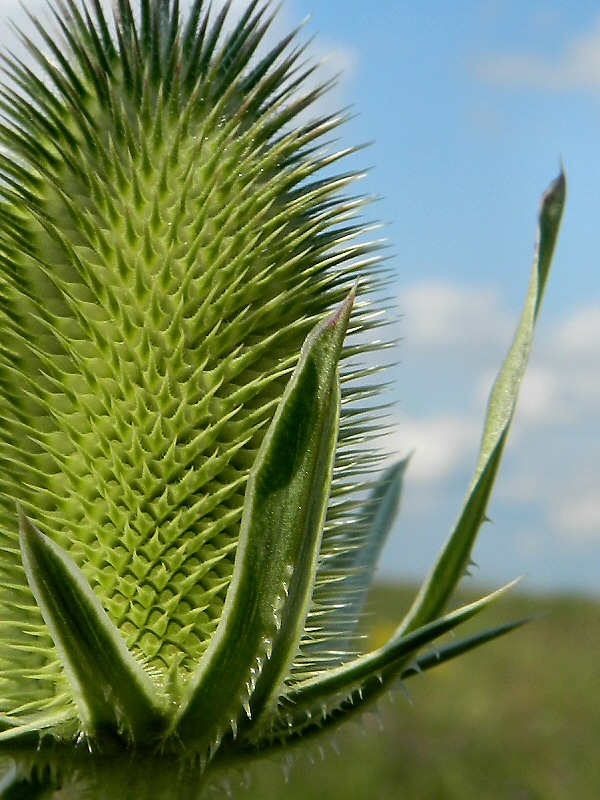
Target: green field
<point>516,720</point>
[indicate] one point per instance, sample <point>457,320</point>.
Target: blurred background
<point>470,106</point>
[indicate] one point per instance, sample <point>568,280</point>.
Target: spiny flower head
<point>189,513</point>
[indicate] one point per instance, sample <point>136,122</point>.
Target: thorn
<point>402,688</point>
<point>287,765</point>
<point>246,781</point>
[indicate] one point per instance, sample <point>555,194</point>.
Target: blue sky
<point>469,106</point>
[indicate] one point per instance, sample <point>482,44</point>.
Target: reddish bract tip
<point>344,310</point>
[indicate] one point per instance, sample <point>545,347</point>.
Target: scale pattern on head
<point>167,240</point>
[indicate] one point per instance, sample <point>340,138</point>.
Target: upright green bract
<point>190,512</point>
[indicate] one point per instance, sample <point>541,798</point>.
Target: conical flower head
<point>188,515</point>
<point>167,249</point>
<point>171,232</point>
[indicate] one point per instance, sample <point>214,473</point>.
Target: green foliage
<point>514,720</point>
<point>189,509</point>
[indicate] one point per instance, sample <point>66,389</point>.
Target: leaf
<point>280,533</point>
<point>112,691</point>
<point>455,555</point>
<point>452,562</point>
<point>343,680</point>
<point>378,515</point>
<point>364,541</point>
<point>454,649</point>
<point>316,705</point>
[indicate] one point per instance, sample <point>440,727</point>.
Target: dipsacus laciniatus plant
<point>191,501</point>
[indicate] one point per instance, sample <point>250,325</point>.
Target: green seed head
<point>189,517</point>
<point>172,229</point>
<point>168,247</point>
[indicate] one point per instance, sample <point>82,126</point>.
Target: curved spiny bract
<point>190,507</point>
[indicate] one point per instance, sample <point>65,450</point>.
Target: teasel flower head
<point>192,498</point>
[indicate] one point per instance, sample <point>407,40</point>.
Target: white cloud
<point>562,384</point>
<point>541,396</point>
<point>577,518</point>
<point>440,314</point>
<point>459,335</point>
<point>579,336</point>
<point>570,466</point>
<point>576,68</point>
<point>571,360</point>
<point>557,476</point>
<point>452,334</point>
<point>439,445</point>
